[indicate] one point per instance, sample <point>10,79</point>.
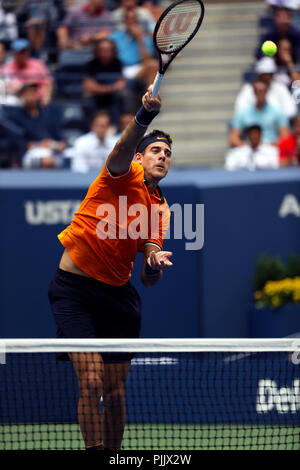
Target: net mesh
<point>172,400</point>
<point>178,25</point>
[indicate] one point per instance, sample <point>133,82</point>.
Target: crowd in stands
<point>265,129</point>
<point>71,75</point>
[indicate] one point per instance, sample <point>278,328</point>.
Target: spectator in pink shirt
<point>23,69</point>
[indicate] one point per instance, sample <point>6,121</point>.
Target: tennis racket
<point>174,30</point>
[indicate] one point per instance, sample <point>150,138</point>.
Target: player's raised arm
<point>120,158</point>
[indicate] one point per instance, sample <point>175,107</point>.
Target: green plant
<point>293,266</point>
<point>268,268</point>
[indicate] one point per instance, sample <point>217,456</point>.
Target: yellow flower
<point>276,301</point>
<point>258,295</point>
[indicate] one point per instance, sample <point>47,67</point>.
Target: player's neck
<point>151,184</point>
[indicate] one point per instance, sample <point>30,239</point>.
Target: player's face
<point>156,160</point>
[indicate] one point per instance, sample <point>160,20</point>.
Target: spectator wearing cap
<point>281,29</point>
<point>23,69</point>
<point>289,146</point>
<point>291,4</point>
<point>278,94</point>
<point>83,25</point>
<point>41,127</point>
<point>90,151</point>
<point>254,154</point>
<point>145,19</point>
<point>272,120</point>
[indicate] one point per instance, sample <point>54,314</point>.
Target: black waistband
<point>61,273</point>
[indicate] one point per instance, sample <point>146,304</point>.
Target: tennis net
<point>180,394</point>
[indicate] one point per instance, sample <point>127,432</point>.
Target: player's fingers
<point>153,259</point>
<point>167,262</point>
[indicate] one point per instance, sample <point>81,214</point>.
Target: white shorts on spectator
<point>34,157</point>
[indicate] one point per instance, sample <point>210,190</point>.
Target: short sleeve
<point>282,119</point>
<point>238,120</point>
<point>120,182</point>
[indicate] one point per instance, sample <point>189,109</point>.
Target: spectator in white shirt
<point>254,154</point>
<point>91,150</point>
<point>278,94</point>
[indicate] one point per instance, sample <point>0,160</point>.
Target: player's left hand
<point>160,259</point>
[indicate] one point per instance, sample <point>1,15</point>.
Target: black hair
<point>155,133</point>
<point>102,40</point>
<point>102,113</point>
<point>253,127</point>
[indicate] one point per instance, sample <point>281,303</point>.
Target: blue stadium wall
<point>207,293</point>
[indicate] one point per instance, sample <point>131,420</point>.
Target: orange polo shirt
<point>115,220</point>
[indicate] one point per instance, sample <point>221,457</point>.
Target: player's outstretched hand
<point>150,103</point>
<point>160,259</point>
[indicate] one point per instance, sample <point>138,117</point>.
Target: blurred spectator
<point>105,80</point>
<point>5,98</point>
<point>8,25</point>
<point>144,17</point>
<point>289,146</point>
<point>35,17</point>
<point>84,25</point>
<point>273,122</point>
<point>154,8</point>
<point>2,55</point>
<point>278,95</point>
<point>291,4</point>
<point>135,50</point>
<point>282,29</point>
<point>254,154</point>
<point>91,150</point>
<point>24,69</point>
<point>41,130</point>
<point>286,61</point>
<point>125,118</point>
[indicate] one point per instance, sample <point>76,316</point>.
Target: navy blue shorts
<point>86,308</point>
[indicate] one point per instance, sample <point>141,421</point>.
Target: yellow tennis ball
<point>269,48</point>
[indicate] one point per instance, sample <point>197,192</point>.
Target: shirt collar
<point>157,192</point>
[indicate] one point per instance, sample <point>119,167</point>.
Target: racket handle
<point>156,84</point>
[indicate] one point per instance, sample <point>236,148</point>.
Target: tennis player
<point>91,295</point>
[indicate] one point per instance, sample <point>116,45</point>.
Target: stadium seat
<point>74,57</point>
<point>249,75</point>
<point>266,22</point>
<point>69,80</point>
<point>73,116</point>
<point>70,135</point>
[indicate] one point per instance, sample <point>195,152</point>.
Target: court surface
<point>155,437</point>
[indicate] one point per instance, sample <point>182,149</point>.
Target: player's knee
<point>114,395</point>
<point>94,385</point>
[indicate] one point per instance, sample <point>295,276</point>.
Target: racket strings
<point>178,26</point>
